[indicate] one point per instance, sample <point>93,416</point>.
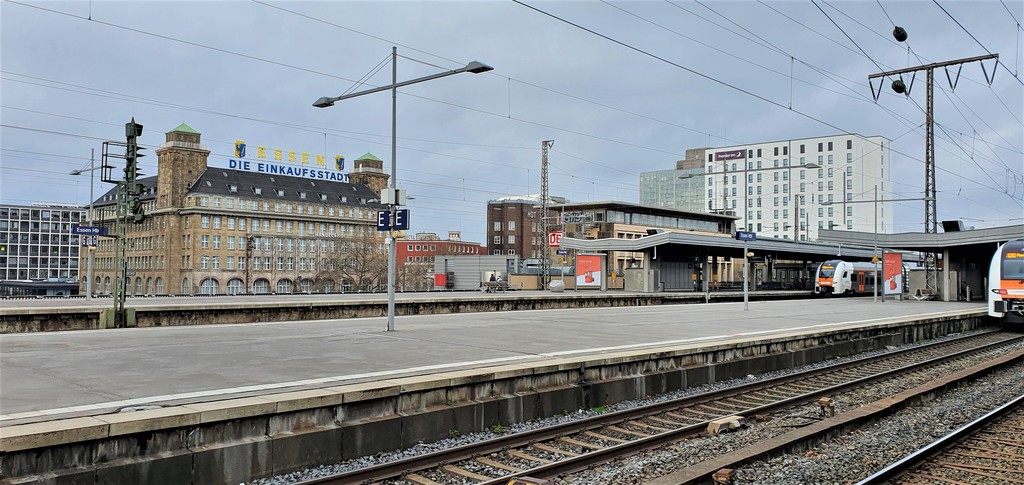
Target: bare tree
<point>359,262</point>
<point>417,276</point>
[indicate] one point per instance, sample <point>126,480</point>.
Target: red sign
<point>555,238</point>
<point>892,268</point>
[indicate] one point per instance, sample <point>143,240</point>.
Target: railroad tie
<point>654,429</point>
<point>465,473</point>
<point>496,464</point>
<point>527,456</point>
<point>579,443</point>
<point>605,437</point>
<point>629,431</point>
<point>552,449</point>
<point>420,479</point>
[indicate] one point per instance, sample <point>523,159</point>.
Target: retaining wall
<point>232,441</point>
<point>15,320</point>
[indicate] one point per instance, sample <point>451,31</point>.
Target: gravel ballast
<point>651,464</point>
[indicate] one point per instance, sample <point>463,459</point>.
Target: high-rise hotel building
<point>786,189</point>
<point>215,230</point>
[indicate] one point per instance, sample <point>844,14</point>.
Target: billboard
<point>588,270</point>
<point>892,271</point>
<point>730,155</point>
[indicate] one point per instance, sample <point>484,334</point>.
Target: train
<point>838,277</point>
<point>1006,283</point>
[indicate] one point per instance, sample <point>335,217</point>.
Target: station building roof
<point>694,244</point>
<point>928,242</point>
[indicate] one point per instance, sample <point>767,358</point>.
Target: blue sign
<point>89,230</point>
<point>402,220</point>
<point>562,252</point>
<point>746,236</point>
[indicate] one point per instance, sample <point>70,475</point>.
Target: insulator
<point>899,86</point>
<point>900,34</point>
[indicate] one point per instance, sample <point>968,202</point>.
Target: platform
<point>230,403</point>
<point>95,371</point>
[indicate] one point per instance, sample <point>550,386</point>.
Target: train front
<point>1006,283</point>
<point>825,277</point>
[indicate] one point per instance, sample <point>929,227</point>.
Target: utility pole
<point>930,212</point>
<point>545,262</point>
<point>128,210</point>
<point>930,215</point>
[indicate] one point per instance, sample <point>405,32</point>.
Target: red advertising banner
<point>588,270</point>
<point>892,270</point>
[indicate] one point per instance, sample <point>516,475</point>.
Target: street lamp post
<point>91,170</point>
<point>392,200</point>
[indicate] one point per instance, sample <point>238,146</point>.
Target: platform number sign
<point>555,239</point>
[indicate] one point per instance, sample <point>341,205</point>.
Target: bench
<point>493,286</point>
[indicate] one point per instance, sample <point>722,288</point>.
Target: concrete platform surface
<point>93,371</point>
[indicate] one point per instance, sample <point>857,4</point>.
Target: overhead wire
<point>986,172</point>
<point>697,73</point>
<point>998,62</point>
<point>417,49</point>
<point>915,102</point>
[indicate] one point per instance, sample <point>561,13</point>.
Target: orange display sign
<point>588,270</point>
<point>892,271</point>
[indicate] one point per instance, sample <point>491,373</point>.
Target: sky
<point>621,87</point>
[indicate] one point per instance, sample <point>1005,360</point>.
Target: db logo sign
<point>555,238</point>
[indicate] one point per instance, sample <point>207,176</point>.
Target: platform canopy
<point>693,244</point>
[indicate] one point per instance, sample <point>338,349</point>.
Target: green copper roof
<point>369,156</point>
<point>183,128</point>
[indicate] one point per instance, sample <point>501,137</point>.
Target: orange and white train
<point>837,277</point>
<point>1006,283</point>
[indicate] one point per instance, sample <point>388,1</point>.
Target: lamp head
<point>324,102</point>
<point>477,67</point>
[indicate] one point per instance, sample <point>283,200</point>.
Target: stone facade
<point>213,230</point>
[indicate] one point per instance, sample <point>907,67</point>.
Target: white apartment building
<point>789,189</point>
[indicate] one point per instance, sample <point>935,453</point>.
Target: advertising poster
<point>892,270</point>
<point>588,270</point>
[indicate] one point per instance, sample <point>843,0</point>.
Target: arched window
<point>149,286</point>
<point>138,286</point>
<point>236,287</point>
<point>186,288</point>
<point>284,285</point>
<point>306,285</point>
<point>98,286</point>
<point>326,285</point>
<point>209,286</point>
<point>106,285</point>
<point>159,286</point>
<point>261,286</point>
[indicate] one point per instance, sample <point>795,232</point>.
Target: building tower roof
<point>183,128</point>
<point>369,156</point>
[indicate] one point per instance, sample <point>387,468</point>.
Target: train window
<point>1013,267</point>
<point>846,274</point>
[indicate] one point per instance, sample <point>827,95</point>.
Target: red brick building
<point>515,226</point>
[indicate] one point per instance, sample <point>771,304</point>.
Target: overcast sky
<point>625,90</point>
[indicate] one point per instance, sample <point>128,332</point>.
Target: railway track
<point>570,447</point>
<point>989,449</point>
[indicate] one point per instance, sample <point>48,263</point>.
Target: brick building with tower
<point>214,230</point>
